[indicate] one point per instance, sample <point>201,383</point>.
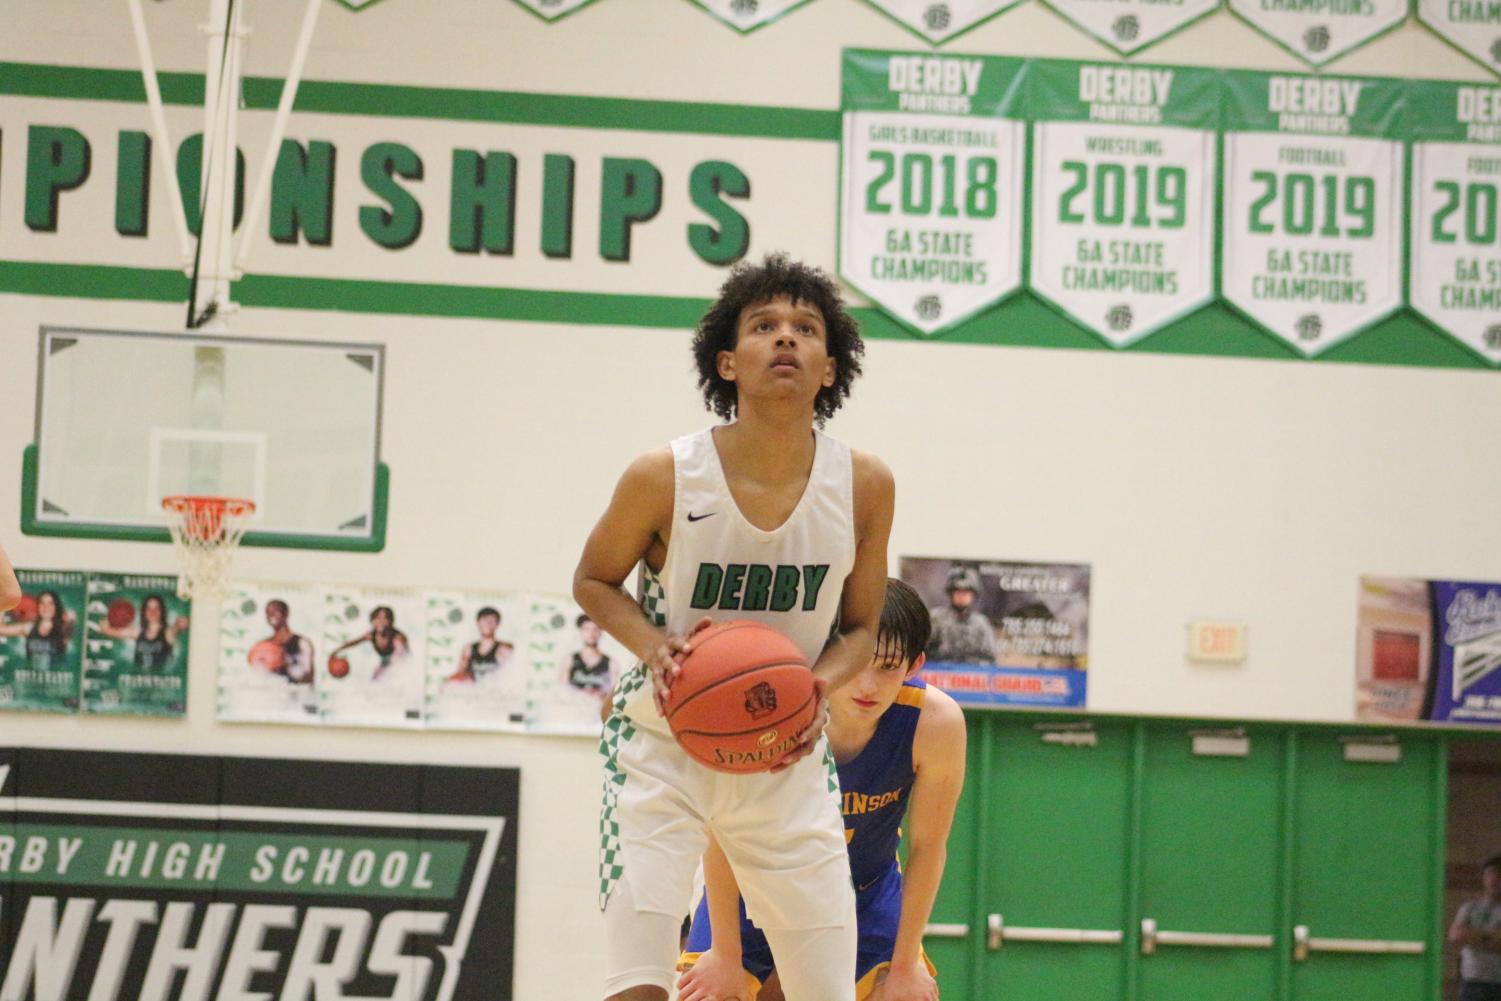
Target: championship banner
<point>747,15</point>
<point>1319,31</point>
<point>1429,650</point>
<point>1312,202</point>
<point>939,21</point>
<point>136,646</point>
<point>135,876</point>
<point>1123,186</point>
<point>477,666</point>
<point>270,635</point>
<point>1454,272</point>
<point>1128,26</point>
<point>372,673</point>
<point>552,10</point>
<point>41,643</point>
<point>932,183</point>
<point>1005,633</point>
<point>1472,26</point>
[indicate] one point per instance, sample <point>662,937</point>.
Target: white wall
<point>1194,486</point>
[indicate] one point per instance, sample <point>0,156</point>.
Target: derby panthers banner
<point>1123,183</point>
<point>1313,204</point>
<point>1454,278</point>
<point>132,876</point>
<point>932,183</point>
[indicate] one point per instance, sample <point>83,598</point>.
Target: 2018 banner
<point>127,876</point>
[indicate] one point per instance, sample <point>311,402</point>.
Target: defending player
<point>739,504</point>
<point>897,742</point>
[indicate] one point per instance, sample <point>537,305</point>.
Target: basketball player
<point>47,637</point>
<point>486,655</point>
<point>156,638</point>
<point>10,588</point>
<point>899,746</point>
<point>588,669</point>
<point>766,504</point>
<point>390,644</point>
<point>297,650</point>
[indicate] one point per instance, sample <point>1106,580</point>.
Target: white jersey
<point>721,566</point>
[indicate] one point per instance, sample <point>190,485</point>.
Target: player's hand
<point>907,983</point>
<point>715,977</point>
<point>808,739</point>
<point>665,663</point>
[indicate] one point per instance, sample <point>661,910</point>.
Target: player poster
<point>1429,650</point>
<point>372,671</point>
<point>1005,633</point>
<point>931,198</point>
<point>41,643</point>
<point>1454,278</point>
<point>1128,26</point>
<point>574,668</point>
<point>270,635</point>
<point>136,646</point>
<point>748,15</point>
<point>1318,31</point>
<point>939,21</point>
<point>477,667</point>
<point>552,10</point>
<point>1313,205</point>
<point>1123,186</point>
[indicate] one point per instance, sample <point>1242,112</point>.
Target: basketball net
<point>205,532</point>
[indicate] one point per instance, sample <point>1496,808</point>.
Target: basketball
<point>744,695</point>
<point>338,666</point>
<point>25,610</point>
<point>122,612</point>
<point>268,656</point>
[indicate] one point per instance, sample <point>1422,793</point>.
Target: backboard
<point>126,418</point>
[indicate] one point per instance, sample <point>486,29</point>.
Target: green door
<point>1210,851</point>
<point>948,943</point>
<point>1368,836</point>
<point>1054,859</point>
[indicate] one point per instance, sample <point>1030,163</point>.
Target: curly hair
<point>750,285</point>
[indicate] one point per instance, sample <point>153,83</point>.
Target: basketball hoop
<point>205,531</point>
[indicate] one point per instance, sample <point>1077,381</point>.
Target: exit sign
<point>1217,642</point>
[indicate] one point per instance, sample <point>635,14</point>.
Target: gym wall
<point>1195,486</point>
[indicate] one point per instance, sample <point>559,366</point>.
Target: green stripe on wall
<point>435,103</point>
<point>1022,321</point>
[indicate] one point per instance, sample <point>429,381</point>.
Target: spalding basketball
<point>268,655</point>
<point>744,695</point>
<point>338,666</point>
<point>122,612</point>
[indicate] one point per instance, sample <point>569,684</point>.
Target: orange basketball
<point>25,610</point>
<point>744,695</point>
<point>338,666</point>
<point>122,612</point>
<point>268,655</point>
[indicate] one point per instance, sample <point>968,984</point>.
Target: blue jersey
<point>874,788</point>
<point>875,784</point>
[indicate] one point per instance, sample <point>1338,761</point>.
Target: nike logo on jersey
<point>701,517</point>
<point>756,587</point>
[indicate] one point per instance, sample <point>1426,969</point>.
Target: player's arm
<point>718,973</point>
<point>10,588</point>
<point>639,516</point>
<point>366,638</point>
<point>938,760</point>
<point>854,644</point>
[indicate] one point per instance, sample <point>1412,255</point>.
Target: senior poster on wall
<point>1429,650</point>
<point>1454,278</point>
<point>932,180</point>
<point>136,647</point>
<point>1312,204</point>
<point>41,643</point>
<point>575,664</point>
<point>1123,183</point>
<point>1004,632</point>
<point>270,634</point>
<point>373,671</point>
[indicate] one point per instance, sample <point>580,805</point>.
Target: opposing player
<point>899,746</point>
<point>733,510</point>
